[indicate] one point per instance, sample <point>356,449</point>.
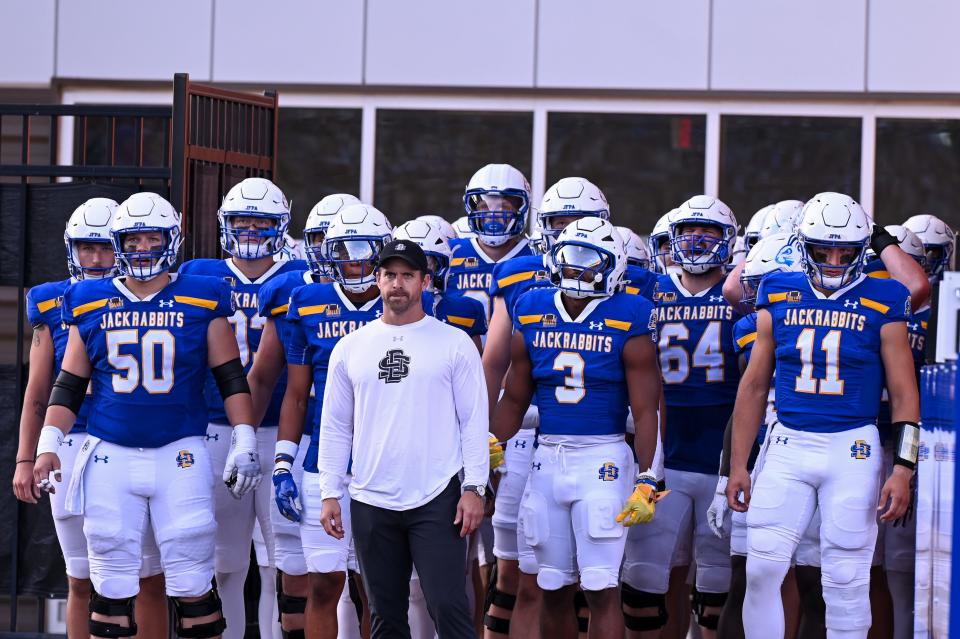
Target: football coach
<point>406,402</point>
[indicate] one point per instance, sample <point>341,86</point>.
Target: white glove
<point>717,513</point>
<point>242,472</point>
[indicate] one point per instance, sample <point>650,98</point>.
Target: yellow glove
<point>496,454</point>
<point>641,505</point>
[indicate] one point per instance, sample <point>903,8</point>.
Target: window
<point>765,159</point>
<point>917,163</point>
<point>424,159</point>
<point>318,154</point>
<point>644,164</point>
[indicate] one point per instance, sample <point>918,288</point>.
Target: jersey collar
<point>349,305</point>
<point>245,280</point>
<point>120,286</point>
<point>522,244</point>
<point>675,278</point>
<point>837,294</point>
<point>565,316</point>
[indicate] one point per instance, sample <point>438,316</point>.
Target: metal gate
<point>190,152</point>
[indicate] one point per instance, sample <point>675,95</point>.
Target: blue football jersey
<point>466,313</point>
<point>641,281</point>
<point>471,270</point>
<point>319,316</point>
<point>149,357</point>
<point>513,278</point>
<point>577,365</point>
<point>829,373</point>
<point>247,324</point>
<point>44,302</point>
<point>697,359</point>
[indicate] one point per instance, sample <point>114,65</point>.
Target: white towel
<point>74,500</point>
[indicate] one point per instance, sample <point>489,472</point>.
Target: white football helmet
<point>777,252</point>
<point>634,247</point>
<point>570,197</point>
<point>434,246</point>
<point>497,199</point>
<point>461,226</point>
<point>355,236</point>
<point>446,229</point>
<point>782,217</point>
<point>254,197</point>
<point>908,242</point>
<point>659,242</point>
<point>751,234</point>
<point>143,213</point>
<point>315,229</point>
<point>833,220</point>
<point>90,222</point>
<point>938,241</point>
<point>698,254</point>
<point>587,259</point>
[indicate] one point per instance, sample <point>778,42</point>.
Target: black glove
<point>881,239</point>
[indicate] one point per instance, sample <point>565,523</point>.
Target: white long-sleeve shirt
<point>410,403</point>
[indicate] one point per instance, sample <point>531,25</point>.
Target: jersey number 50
<point>142,371</point>
<point>675,361</point>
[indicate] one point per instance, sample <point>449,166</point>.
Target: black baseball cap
<point>409,252</point>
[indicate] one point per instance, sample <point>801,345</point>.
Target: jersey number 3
<point>572,390</point>
<point>156,347</point>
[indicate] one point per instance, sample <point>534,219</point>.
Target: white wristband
<point>286,447</point>
<point>50,439</point>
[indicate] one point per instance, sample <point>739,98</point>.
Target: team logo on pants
<point>860,449</point>
<point>609,472</point>
<point>184,459</point>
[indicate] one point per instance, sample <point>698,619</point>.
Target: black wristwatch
<point>479,491</point>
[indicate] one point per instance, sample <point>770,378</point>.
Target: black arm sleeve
<point>230,378</point>
<point>725,454</point>
<point>68,391</point>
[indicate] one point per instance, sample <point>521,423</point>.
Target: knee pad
<point>209,605</point>
<point>703,600</point>
<point>553,579</point>
<point>633,598</point>
<point>770,544</point>
<point>116,586</point>
<point>598,579</point>
<point>846,594</point>
<point>113,608</point>
<point>505,541</point>
<point>288,604</point>
<point>764,572</point>
<point>327,561</point>
<point>499,599</point>
<point>77,567</point>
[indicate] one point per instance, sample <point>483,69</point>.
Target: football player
<point>253,223</point>
<point>515,594</point>
<point>446,228</point>
<point>700,374</point>
<point>751,233</point>
<point>89,256</point>
<point>781,218</point>
<point>269,366</point>
<point>637,252</point>
<point>147,339</point>
<point>497,200</point>
<point>318,316</point>
<point>772,254</point>
<point>587,353</point>
<point>825,330</point>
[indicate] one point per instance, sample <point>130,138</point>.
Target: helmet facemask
<point>697,253</point>
<point>496,216</point>
<point>146,265</point>
<point>828,276</point>
<point>353,260</point>
<point>263,238</point>
<point>313,249</point>
<point>80,272</point>
<point>581,270</point>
